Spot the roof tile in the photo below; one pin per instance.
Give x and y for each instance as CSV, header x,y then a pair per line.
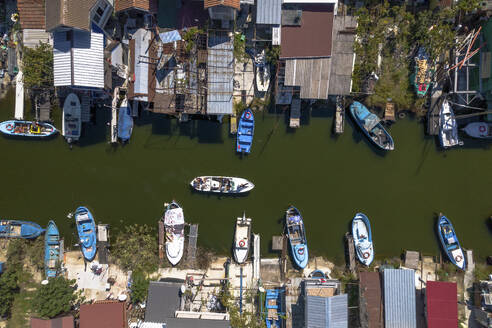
x,y
31,14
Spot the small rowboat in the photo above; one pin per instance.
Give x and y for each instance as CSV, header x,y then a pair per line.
x,y
450,243
242,239
71,119
297,236
371,125
51,250
245,132
19,229
361,232
27,129
480,130
87,232
174,225
223,185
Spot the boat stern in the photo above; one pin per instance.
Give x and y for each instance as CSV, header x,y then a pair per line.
x,y
301,255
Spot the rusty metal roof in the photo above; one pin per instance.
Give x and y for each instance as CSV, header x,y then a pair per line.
x,y
61,322
370,299
227,3
312,39
31,14
105,314
442,304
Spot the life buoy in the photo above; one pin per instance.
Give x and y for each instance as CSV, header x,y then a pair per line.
x,y
242,243
9,127
458,258
366,255
482,128
300,251
247,115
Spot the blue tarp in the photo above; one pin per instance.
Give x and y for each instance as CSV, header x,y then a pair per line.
x,y
171,36
125,123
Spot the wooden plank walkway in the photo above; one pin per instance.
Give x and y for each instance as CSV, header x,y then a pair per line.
x,y
433,114
351,252
192,239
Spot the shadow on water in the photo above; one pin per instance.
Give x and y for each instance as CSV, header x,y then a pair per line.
x,y
488,223
209,131
97,131
161,125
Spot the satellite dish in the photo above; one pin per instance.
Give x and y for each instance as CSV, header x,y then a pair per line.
x,y
183,289
122,297
261,289
44,282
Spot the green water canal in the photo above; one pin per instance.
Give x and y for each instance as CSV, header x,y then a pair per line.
x,y
328,178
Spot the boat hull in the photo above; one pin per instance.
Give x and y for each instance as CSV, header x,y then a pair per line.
x,y
72,118
125,121
262,78
19,229
378,135
297,237
86,229
242,240
479,130
27,129
245,132
361,232
221,185
51,250
422,80
449,242
174,226
448,128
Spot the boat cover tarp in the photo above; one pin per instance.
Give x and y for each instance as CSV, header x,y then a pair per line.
x,y
125,123
371,121
27,230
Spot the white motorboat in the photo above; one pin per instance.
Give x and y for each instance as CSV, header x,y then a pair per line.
x,y
242,239
448,128
71,118
224,185
361,232
174,225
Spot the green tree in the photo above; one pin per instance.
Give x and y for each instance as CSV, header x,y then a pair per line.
x,y
56,297
139,288
8,288
37,66
135,248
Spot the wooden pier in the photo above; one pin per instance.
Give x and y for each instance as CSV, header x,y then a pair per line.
x,y
349,239
162,239
192,239
433,113
339,116
114,116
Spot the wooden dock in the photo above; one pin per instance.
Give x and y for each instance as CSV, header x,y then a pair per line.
x,y
114,116
162,239
233,124
192,239
433,113
256,258
349,239
339,116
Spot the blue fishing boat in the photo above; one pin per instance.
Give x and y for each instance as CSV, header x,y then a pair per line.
x,y
371,125
245,132
297,236
450,243
19,229
27,129
87,232
51,250
273,307
125,121
361,232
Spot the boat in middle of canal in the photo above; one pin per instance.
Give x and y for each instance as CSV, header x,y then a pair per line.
x,y
87,232
371,125
242,239
245,132
361,231
450,243
174,225
223,185
297,236
51,250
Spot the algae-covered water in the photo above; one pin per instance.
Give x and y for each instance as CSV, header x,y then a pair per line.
x,y
328,178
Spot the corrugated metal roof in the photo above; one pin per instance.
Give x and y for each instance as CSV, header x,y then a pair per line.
x,y
331,312
86,49
268,12
442,304
399,298
220,74
142,39
31,37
